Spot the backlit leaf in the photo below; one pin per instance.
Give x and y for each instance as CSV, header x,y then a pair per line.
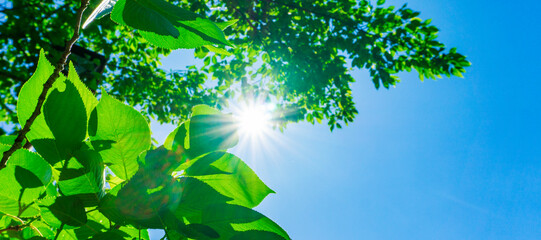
x,y
166,25
120,134
230,176
65,116
229,220
31,90
24,180
67,210
83,177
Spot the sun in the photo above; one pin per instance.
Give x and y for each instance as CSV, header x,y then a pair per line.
x,y
254,119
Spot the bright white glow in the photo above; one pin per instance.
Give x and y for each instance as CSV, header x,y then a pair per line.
x,y
254,119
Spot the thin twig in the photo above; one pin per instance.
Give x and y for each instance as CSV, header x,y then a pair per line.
x,y
48,84
13,228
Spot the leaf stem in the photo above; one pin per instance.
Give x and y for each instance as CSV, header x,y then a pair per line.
x,y
48,84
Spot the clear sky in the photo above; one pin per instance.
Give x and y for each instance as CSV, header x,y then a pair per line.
x,y
447,159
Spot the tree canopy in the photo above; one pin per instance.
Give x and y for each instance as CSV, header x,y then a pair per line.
x,y
95,172
297,53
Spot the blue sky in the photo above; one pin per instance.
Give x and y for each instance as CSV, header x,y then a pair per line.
x,y
447,159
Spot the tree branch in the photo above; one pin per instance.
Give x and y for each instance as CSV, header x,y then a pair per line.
x,y
48,84
13,228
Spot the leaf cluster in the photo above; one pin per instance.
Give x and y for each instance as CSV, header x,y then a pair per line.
x,y
96,174
296,53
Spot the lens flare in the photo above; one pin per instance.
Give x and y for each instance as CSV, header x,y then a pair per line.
x,y
254,119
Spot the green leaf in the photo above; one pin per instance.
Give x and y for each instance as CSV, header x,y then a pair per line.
x,y
259,235
163,161
177,228
178,138
226,24
209,133
196,197
208,130
204,110
48,150
9,140
67,210
217,50
239,181
24,180
31,90
166,25
65,116
83,177
203,231
67,234
112,234
142,16
44,229
4,147
96,223
134,233
28,99
202,165
229,220
146,195
108,207
120,134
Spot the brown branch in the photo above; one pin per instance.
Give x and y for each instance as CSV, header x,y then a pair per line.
x,y
13,228
48,84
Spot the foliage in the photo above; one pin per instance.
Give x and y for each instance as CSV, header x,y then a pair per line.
x,y
96,174
293,52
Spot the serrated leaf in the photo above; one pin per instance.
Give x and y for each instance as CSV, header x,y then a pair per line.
x,y
230,176
217,50
67,210
96,223
166,25
229,220
135,233
48,150
108,207
259,235
65,116
113,180
163,161
226,24
146,195
3,148
24,180
178,138
31,90
44,229
83,177
204,110
67,234
209,133
196,197
203,231
9,140
120,134
112,234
